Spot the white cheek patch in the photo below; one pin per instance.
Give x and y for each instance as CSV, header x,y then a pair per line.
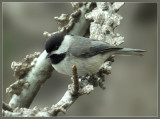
x,y
64,45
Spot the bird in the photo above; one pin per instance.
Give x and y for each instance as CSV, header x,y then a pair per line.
x,y
66,50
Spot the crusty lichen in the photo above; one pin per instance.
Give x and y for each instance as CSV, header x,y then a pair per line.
x,y
17,87
21,68
105,19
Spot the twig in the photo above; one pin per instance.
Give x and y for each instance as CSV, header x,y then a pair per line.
x,y
75,81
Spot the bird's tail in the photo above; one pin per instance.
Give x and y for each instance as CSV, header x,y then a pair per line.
x,y
130,51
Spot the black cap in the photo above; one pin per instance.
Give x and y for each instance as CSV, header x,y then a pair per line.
x,y
54,42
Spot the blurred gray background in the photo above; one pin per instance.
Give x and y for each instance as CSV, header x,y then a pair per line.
x,y
131,88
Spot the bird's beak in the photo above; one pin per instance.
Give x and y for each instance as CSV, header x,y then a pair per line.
x,y
48,55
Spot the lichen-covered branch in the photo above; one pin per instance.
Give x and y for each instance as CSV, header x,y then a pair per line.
x,y
94,20
29,81
66,101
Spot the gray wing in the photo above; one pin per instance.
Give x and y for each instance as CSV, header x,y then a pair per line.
x,y
85,47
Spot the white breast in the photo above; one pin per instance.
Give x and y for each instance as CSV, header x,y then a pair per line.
x,y
84,65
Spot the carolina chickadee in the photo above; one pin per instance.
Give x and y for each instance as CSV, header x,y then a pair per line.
x,y
88,55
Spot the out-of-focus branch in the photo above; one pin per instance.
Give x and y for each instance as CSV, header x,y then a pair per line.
x,y
94,20
76,23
